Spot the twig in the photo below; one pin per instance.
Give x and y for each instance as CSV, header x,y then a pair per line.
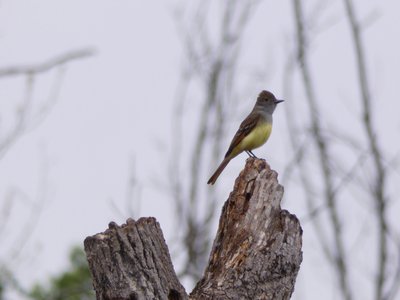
x,y
25,119
47,65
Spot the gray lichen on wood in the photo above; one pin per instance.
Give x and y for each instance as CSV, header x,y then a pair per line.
x,y
256,253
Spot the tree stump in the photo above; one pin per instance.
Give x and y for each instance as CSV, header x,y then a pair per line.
x,y
255,255
132,262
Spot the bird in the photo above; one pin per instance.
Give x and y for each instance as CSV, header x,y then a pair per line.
x,y
253,132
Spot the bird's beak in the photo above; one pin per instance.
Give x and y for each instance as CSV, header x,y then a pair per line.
x,y
278,101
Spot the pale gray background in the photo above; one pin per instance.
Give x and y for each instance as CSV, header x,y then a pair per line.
x,y
117,106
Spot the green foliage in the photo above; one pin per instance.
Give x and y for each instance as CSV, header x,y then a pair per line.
x,y
73,284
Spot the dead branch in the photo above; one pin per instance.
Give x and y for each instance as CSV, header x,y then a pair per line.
x,y
379,182
324,156
25,119
256,253
47,65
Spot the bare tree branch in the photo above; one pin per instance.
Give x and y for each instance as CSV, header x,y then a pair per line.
x,y
379,182
22,116
28,115
298,162
25,118
47,65
325,159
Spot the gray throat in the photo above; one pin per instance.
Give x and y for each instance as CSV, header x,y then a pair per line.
x,y
265,111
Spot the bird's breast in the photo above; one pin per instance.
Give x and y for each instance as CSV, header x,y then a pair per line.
x,y
257,137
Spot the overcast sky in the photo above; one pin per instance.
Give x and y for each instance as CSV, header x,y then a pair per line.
x,y
116,107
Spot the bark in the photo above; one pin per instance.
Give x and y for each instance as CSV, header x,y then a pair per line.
x,y
132,262
256,253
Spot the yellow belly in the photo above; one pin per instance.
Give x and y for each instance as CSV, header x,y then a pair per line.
x,y
256,138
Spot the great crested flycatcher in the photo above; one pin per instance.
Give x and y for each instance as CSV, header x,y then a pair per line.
x,y
253,132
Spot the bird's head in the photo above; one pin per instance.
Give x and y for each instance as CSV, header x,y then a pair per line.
x,y
268,101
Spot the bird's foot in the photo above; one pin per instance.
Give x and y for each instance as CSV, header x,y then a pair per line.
x,y
251,154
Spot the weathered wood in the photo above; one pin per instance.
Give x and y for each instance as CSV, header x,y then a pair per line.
x,y
132,262
256,253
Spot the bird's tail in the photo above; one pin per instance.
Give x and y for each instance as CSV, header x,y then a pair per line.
x,y
221,167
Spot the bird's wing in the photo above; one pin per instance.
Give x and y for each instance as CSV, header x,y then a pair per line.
x,y
245,128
